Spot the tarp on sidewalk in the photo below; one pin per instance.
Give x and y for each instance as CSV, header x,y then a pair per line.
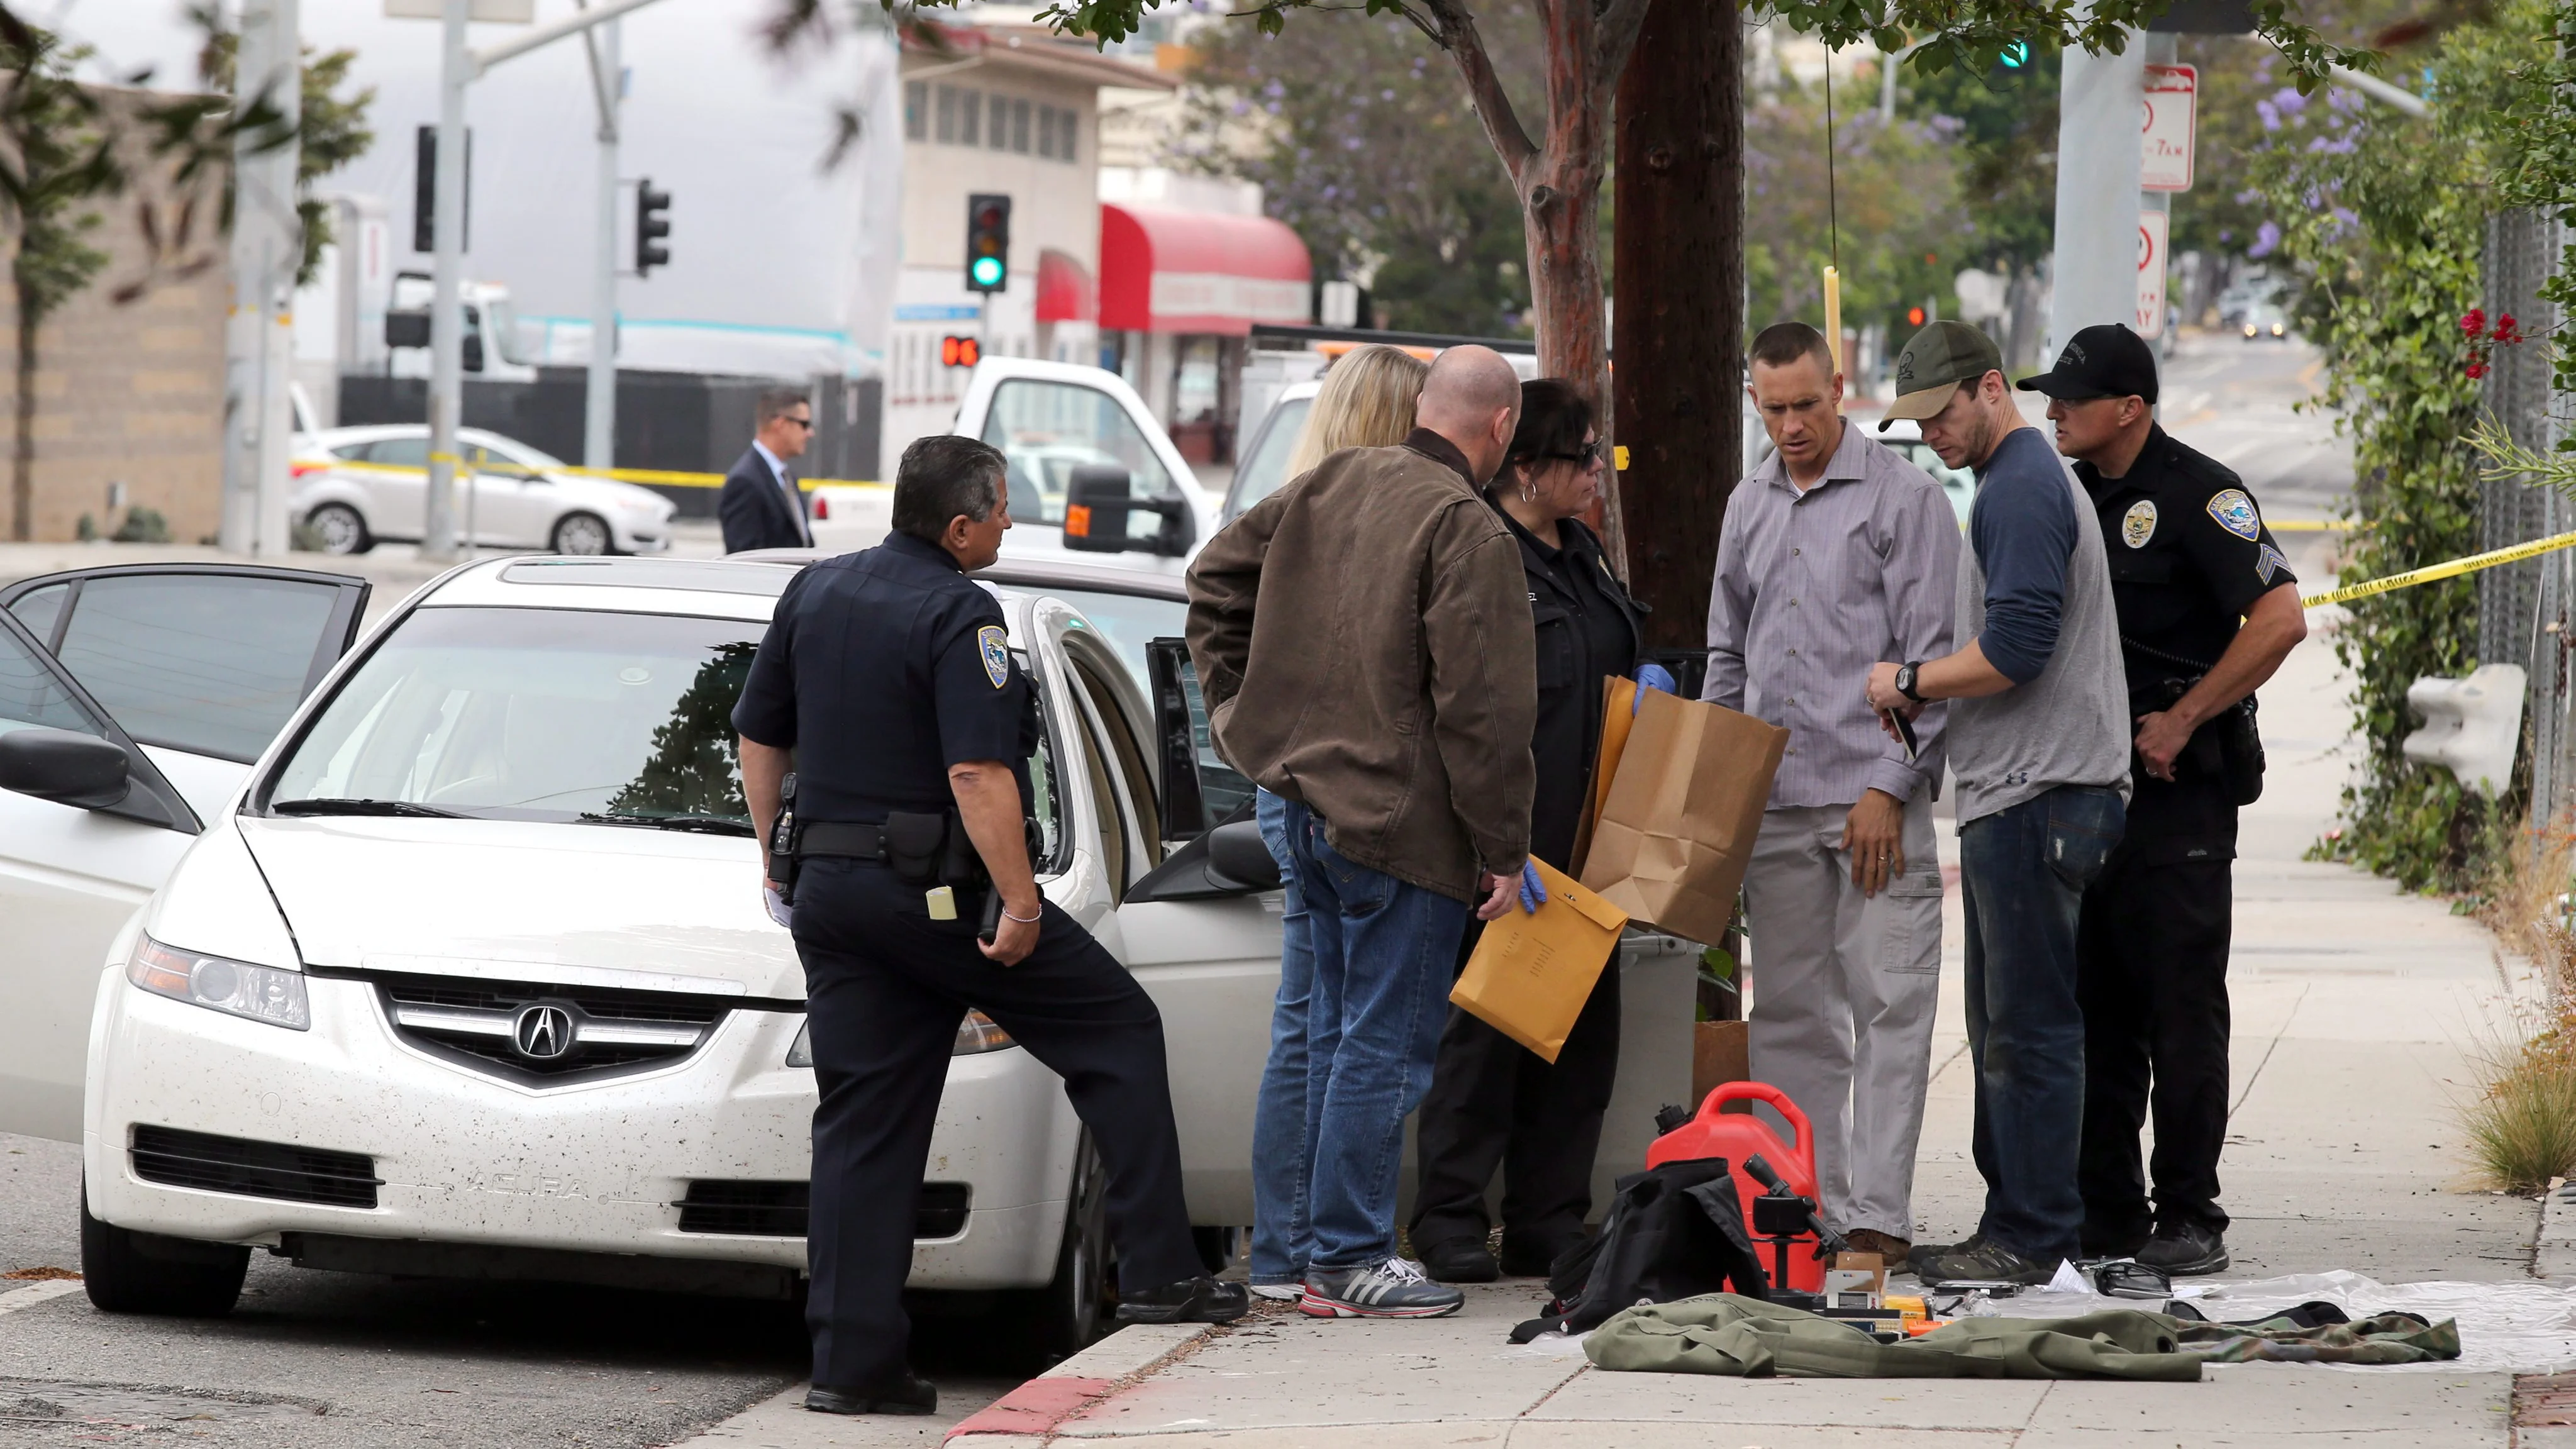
x,y
1721,1333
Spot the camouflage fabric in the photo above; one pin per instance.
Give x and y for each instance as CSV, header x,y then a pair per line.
x,y
1721,1333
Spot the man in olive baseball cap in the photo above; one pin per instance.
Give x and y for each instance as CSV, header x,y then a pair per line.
x,y
1933,365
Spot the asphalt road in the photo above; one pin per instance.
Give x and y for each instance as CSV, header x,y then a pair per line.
x,y
317,1358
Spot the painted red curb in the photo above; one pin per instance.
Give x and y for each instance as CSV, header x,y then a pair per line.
x,y
1035,1407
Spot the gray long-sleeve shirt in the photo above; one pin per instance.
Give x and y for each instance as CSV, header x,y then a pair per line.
x,y
1812,589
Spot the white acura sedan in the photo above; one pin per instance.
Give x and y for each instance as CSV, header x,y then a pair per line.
x,y
359,486
466,972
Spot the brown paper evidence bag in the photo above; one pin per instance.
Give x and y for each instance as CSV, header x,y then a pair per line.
x,y
1677,799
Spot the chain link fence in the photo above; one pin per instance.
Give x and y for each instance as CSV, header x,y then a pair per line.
x,y
2523,608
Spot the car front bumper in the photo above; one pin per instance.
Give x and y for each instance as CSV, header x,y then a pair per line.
x,y
466,1158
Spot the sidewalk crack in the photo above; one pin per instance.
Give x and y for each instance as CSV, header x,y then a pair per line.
x,y
2269,1047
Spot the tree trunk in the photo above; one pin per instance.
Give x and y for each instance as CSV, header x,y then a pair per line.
x,y
22,453
1680,323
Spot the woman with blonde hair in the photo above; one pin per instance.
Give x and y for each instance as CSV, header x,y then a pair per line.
x,y
1367,402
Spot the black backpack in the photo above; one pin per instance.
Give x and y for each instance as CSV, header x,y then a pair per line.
x,y
1674,1231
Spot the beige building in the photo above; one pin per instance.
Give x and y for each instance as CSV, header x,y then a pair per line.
x,y
130,396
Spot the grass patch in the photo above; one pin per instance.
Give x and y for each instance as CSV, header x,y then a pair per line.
x,y
2522,1122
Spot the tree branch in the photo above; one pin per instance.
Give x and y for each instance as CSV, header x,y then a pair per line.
x,y
1458,36
1615,27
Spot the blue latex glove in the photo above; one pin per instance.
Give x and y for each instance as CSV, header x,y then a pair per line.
x,y
1533,890
1650,676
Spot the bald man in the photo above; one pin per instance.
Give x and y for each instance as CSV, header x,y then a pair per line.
x,y
1383,692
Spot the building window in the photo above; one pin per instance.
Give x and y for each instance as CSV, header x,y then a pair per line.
x,y
1046,132
970,117
947,114
916,110
1020,127
1070,148
1000,134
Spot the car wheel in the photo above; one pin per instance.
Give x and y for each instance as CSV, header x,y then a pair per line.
x,y
582,533
131,1272
339,529
1067,1315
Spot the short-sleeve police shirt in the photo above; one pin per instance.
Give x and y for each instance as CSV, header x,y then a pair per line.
x,y
2189,554
881,669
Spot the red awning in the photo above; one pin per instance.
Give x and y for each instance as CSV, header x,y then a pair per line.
x,y
1163,270
1065,293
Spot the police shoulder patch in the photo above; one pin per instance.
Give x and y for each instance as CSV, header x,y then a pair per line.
x,y
2139,523
2234,512
2268,562
995,646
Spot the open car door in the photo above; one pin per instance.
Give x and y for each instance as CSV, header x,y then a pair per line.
x,y
133,700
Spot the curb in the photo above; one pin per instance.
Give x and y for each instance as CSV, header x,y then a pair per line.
x,y
2553,1249
1030,1413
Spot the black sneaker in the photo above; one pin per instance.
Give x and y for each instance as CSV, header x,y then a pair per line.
x,y
904,1393
1191,1300
1464,1261
1394,1288
1923,1253
1979,1261
2185,1250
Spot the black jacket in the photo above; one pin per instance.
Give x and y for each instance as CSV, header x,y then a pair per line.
x,y
1567,738
754,510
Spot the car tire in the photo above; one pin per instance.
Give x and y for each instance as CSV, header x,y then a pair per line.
x,y
1066,1316
340,530
130,1272
584,535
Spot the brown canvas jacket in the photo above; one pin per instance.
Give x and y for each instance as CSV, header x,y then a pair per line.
x,y
1387,678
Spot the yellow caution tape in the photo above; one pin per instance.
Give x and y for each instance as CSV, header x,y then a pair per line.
x,y
2437,572
663,477
2305,525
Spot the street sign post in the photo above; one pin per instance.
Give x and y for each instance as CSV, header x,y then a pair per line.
x,y
2168,130
2152,230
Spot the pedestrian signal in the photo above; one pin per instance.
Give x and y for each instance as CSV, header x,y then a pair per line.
x,y
652,223
988,243
960,352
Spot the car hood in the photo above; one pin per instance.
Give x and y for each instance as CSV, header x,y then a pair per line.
x,y
576,905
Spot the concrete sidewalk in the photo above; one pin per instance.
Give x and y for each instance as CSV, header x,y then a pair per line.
x,y
2357,1009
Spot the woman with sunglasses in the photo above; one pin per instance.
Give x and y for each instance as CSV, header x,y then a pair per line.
x,y
1493,1102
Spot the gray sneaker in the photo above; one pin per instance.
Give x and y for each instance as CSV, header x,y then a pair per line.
x,y
1395,1288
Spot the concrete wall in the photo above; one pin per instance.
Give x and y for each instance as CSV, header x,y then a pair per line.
x,y
130,394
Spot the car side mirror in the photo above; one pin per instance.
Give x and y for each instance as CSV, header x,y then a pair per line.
x,y
68,768
1098,502
1237,852
406,329
1231,860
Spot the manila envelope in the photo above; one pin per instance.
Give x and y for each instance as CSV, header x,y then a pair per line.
x,y
1617,715
1532,971
1677,829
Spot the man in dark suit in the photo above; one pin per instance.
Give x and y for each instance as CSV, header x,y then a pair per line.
x,y
761,506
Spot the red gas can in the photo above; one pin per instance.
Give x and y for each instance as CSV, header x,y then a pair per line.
x,y
1736,1136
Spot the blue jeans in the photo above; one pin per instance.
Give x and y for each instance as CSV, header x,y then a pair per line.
x,y
1281,1239
1383,950
2022,873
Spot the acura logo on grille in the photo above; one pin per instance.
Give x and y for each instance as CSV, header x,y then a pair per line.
x,y
542,1032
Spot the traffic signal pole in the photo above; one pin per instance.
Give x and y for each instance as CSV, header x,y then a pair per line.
x,y
599,413
457,69
267,249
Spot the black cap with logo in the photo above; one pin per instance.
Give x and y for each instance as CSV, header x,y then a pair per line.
x,y
2105,360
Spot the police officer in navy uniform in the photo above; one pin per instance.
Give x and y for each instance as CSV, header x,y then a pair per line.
x,y
2208,609
889,675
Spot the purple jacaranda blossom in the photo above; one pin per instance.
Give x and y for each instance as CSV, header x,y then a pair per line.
x,y
2290,102
2267,238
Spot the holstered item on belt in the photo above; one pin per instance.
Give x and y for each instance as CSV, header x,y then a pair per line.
x,y
782,841
917,846
2227,748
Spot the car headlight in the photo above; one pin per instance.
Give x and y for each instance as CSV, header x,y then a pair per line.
x,y
976,1034
259,992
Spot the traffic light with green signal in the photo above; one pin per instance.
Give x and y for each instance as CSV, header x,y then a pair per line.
x,y
988,243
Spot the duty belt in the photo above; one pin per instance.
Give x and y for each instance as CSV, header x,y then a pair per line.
x,y
843,839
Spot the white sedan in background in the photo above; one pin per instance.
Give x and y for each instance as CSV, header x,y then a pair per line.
x,y
359,486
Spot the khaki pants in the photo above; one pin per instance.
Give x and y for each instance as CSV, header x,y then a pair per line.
x,y
1843,989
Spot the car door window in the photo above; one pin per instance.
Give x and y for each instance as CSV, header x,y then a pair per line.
x,y
1047,429
1129,760
31,698
208,663
1266,470
399,452
41,610
1113,821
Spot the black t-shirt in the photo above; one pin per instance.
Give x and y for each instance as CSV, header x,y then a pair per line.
x,y
2188,554
881,669
1587,629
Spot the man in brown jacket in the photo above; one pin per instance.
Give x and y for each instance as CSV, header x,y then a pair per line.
x,y
1363,638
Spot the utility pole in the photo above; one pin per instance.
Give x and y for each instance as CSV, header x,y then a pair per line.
x,y
267,251
599,414
446,306
1678,329
2101,101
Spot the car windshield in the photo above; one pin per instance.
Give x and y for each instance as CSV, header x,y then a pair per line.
x,y
537,714
1262,474
1131,621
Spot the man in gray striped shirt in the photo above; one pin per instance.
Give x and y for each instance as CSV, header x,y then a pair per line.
x,y
1838,554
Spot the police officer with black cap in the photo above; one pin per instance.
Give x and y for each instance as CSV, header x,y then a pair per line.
x,y
2208,609
889,676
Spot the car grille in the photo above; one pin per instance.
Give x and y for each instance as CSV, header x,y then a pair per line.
x,y
254,1169
546,1035
777,1209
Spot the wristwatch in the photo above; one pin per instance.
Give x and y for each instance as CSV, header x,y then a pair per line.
x,y
1905,679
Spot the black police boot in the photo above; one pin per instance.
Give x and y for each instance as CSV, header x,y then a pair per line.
x,y
2185,1250
1463,1261
901,1393
1191,1300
